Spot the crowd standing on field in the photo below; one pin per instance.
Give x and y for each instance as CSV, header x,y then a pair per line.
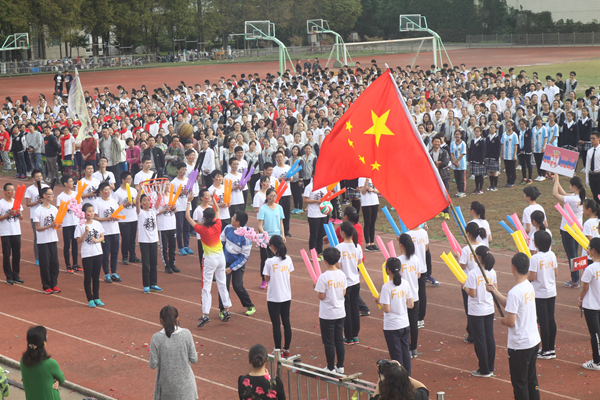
x,y
483,121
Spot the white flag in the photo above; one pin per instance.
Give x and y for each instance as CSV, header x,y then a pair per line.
x,y
77,107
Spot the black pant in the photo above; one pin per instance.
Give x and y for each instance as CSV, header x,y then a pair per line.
x,y
370,217
422,297
115,170
362,306
237,277
200,253
110,248
48,264
545,314
317,233
134,169
352,321
447,185
284,202
233,208
265,254
167,247
252,183
397,343
413,315
208,180
595,186
333,340
523,373
296,194
149,261
485,345
459,177
511,171
466,306
128,233
539,157
281,311
11,245
356,204
245,197
428,263
592,317
183,230
70,245
525,163
91,276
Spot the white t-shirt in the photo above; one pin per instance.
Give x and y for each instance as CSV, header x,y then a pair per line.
x,y
527,216
278,271
89,248
142,176
590,228
259,200
278,172
420,240
45,217
181,201
396,297
92,186
198,216
485,225
350,257
544,265
332,283
532,239
314,209
409,271
242,165
575,202
68,144
101,178
147,230
369,198
483,303
130,213
70,218
11,226
271,184
220,194
521,301
237,196
166,221
104,209
468,258
591,275
33,194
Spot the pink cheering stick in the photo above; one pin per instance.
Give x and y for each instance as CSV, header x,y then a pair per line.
x,y
564,214
517,223
309,267
315,257
392,248
382,247
572,215
451,239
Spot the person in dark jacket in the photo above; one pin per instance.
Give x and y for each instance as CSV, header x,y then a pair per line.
x,y
477,159
157,156
441,159
492,156
569,137
525,150
51,150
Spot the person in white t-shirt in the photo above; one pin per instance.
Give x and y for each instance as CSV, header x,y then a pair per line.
x,y
369,202
312,197
277,272
104,208
481,312
145,174
420,239
70,247
127,226
331,289
279,172
523,337
411,267
543,269
89,194
589,302
91,235
183,228
351,256
47,241
591,210
477,212
538,223
10,233
218,189
396,298
166,223
531,193
260,196
237,196
148,242
33,200
102,175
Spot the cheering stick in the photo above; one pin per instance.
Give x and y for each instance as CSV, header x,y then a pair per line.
x,y
382,247
39,185
281,190
386,278
227,191
331,186
60,215
462,229
18,198
215,202
309,267
451,239
572,215
582,243
580,234
330,235
246,178
505,226
315,257
456,265
519,226
276,185
564,214
367,278
292,171
331,196
128,192
80,190
332,230
392,248
456,272
391,221
170,202
175,196
116,215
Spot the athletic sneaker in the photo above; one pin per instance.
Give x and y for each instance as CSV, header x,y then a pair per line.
x,y
420,324
339,370
413,354
92,304
571,284
369,248
480,375
107,278
126,261
77,268
154,288
472,177
542,179
285,353
203,321
263,285
348,342
18,280
226,316
355,340
188,250
591,365
70,271
431,280
9,281
547,355
221,314
461,194
146,290
48,291
364,313
99,303
494,189
182,252
134,259
250,311
375,248
55,289
175,269
116,278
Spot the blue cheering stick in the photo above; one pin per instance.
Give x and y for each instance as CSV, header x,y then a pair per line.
x,y
402,226
509,218
391,221
459,213
505,226
330,232
333,235
295,168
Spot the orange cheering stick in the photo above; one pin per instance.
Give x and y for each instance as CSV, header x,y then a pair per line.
x,y
227,191
60,215
215,202
276,184
173,197
281,190
171,194
331,196
19,198
117,211
80,190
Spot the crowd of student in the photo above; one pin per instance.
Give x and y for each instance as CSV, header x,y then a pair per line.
x,y
268,124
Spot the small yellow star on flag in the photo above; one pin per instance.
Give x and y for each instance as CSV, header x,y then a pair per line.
x,y
379,128
376,166
349,126
362,159
351,143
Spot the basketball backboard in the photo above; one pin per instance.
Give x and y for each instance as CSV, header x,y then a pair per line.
x,y
412,22
316,26
259,30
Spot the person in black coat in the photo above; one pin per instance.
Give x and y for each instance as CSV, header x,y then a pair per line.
x,y
441,159
493,147
477,153
569,137
525,150
58,83
157,155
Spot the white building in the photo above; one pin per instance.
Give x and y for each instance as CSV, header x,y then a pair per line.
x,y
577,10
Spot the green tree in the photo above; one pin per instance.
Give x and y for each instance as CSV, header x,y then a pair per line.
x,y
341,14
96,19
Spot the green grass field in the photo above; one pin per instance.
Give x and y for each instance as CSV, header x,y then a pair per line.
x,y
587,72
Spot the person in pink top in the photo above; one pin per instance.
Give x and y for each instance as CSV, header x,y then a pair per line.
x,y
132,155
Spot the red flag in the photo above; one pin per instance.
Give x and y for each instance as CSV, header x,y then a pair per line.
x,y
376,138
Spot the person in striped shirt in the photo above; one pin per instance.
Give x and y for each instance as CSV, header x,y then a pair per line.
x,y
509,142
539,134
458,156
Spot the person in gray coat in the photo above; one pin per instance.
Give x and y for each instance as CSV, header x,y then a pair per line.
x,y
441,159
171,351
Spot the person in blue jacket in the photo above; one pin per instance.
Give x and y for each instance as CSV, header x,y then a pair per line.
x,y
237,251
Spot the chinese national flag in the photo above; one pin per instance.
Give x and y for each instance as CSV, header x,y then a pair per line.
x,y
376,138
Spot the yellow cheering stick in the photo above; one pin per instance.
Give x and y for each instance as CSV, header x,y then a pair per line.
x,y
580,234
367,278
460,270
386,278
520,242
128,192
582,243
452,268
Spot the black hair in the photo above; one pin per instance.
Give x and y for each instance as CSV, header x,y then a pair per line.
x,y
241,217
263,179
189,151
595,244
487,258
146,158
521,263
331,255
209,217
216,172
6,185
267,165
44,191
474,230
180,165
351,213
269,191
85,207
280,249
396,384
35,171
202,191
394,265
409,247
36,350
232,160
542,240
65,178
590,203
101,187
539,217
532,192
124,175
258,355
576,181
349,231
479,209
168,317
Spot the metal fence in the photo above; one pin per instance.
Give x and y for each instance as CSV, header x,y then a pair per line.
x,y
534,39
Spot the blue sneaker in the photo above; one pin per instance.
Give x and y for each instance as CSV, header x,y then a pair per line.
x,y
155,288
92,303
99,303
182,252
37,262
188,250
116,278
146,290
107,278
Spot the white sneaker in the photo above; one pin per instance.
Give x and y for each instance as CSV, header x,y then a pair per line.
x,y
480,375
542,178
461,194
537,179
472,177
582,170
339,370
546,355
518,167
420,324
591,365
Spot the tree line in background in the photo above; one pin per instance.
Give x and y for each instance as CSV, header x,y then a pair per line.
x,y
153,24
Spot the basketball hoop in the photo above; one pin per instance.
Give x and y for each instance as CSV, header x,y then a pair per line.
x,y
313,37
155,190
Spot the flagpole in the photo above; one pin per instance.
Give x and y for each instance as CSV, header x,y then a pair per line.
x,y
464,233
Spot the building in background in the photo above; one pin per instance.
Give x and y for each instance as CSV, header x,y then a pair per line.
x,y
578,10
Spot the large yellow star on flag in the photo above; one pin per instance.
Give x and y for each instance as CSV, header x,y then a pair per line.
x,y
379,128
